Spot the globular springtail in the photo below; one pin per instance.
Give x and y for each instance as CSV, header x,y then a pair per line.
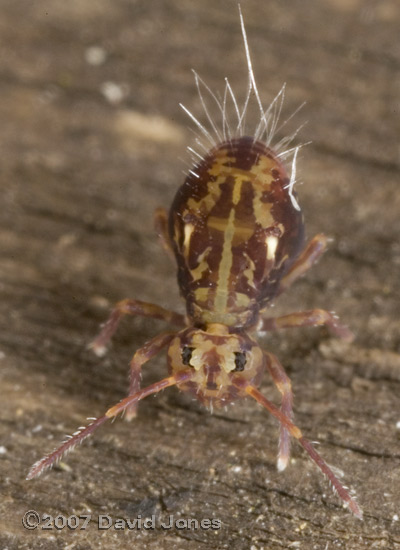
x,y
236,230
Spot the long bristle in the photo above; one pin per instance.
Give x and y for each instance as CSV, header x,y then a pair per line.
x,y
230,120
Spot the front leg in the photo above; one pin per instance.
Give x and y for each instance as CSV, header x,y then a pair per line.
x,y
311,318
132,307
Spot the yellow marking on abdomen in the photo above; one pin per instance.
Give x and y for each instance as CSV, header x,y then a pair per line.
x,y
201,294
225,266
272,244
243,232
188,230
221,295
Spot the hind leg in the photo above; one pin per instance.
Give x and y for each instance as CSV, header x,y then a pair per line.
x,y
311,318
308,257
314,317
132,307
161,226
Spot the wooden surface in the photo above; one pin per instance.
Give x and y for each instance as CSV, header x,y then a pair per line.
x,y
90,145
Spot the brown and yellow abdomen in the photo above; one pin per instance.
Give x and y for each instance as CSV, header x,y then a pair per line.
x,y
235,232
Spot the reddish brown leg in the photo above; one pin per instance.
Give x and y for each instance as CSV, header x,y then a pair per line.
x,y
84,432
161,226
312,252
142,355
296,433
132,307
282,382
311,318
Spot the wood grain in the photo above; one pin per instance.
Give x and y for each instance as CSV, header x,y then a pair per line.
x,y
88,151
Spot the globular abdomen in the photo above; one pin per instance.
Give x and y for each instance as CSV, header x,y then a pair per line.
x,y
235,231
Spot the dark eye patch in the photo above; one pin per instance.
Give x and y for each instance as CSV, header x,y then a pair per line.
x,y
187,355
240,361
